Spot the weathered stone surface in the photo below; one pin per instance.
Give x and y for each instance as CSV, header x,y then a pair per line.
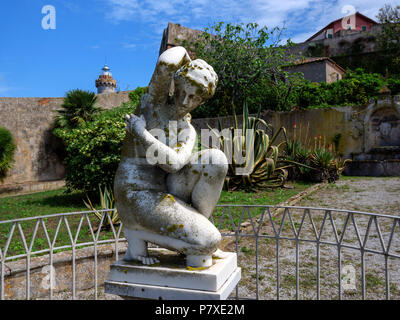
x,y
172,272
165,193
141,291
7,190
174,34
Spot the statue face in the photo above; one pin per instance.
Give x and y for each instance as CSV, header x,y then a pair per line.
x,y
186,97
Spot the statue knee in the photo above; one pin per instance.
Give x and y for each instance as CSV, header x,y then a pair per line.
x,y
218,163
210,242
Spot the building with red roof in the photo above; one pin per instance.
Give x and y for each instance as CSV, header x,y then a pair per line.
x,y
354,23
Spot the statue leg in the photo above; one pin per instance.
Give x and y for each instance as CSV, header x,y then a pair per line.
x,y
200,183
137,248
161,218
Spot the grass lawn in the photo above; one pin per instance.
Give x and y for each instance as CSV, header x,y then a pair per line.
x,y
273,196
51,202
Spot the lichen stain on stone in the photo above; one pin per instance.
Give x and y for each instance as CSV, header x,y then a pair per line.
x,y
196,269
169,197
172,228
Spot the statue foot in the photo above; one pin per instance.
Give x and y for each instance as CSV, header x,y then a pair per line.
x,y
137,249
147,260
219,254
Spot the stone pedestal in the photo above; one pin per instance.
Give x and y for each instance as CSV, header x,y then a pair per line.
x,y
172,280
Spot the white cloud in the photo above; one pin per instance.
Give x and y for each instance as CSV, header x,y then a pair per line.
x,y
129,45
299,16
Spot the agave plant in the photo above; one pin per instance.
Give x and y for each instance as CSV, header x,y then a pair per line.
x,y
259,155
317,164
107,202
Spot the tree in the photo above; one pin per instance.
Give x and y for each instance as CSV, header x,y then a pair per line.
x,y
389,37
248,60
79,106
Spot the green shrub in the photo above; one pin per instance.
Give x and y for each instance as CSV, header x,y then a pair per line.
x,y
394,86
135,95
310,94
93,149
356,87
7,148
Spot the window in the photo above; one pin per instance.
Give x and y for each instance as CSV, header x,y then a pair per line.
x,y
330,35
364,28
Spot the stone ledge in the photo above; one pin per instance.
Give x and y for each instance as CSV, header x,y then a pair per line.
x,y
172,272
141,291
17,189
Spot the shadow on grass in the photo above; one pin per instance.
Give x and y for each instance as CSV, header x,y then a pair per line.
x,y
74,200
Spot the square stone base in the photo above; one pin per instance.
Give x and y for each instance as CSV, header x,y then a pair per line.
x,y
172,280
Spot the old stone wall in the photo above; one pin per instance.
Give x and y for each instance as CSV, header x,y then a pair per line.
x,y
358,130
38,154
174,34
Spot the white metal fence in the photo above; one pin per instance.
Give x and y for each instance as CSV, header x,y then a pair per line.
x,y
284,252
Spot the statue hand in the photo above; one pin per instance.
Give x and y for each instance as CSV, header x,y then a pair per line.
x,y
134,124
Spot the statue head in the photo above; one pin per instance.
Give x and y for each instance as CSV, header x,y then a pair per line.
x,y
195,83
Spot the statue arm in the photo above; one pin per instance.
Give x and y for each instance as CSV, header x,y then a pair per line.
x,y
168,63
176,157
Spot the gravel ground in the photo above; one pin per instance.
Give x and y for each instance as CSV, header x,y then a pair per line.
x,y
375,195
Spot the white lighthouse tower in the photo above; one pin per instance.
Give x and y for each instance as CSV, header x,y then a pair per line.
x,y
105,83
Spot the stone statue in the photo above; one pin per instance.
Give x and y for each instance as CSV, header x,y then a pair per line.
x,y
169,203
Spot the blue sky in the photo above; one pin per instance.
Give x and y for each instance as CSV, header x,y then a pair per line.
x,y
46,63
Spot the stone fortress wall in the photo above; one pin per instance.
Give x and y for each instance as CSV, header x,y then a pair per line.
x,y
37,157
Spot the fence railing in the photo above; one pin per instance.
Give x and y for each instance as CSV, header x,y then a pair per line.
x,y
284,252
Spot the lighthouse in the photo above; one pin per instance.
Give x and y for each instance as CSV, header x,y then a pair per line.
x,y
105,83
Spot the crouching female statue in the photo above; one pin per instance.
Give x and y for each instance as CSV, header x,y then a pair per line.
x,y
169,202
